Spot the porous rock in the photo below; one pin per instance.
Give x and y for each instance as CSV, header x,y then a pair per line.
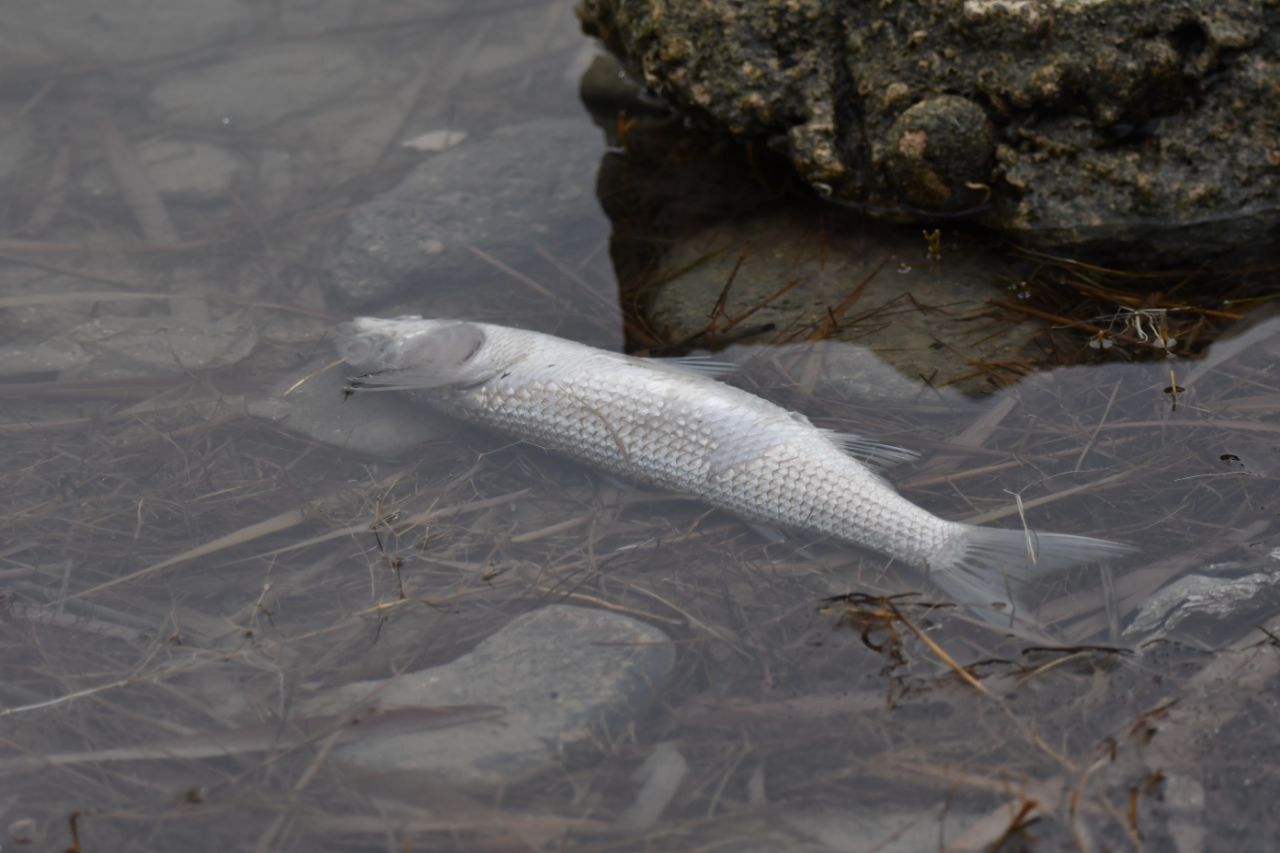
x,y
1060,122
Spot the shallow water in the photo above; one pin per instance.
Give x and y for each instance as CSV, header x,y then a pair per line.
x,y
186,585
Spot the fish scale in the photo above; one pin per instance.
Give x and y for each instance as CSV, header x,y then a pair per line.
x,y
649,421
755,461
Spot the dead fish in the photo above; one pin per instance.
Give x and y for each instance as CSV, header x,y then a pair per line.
x,y
674,426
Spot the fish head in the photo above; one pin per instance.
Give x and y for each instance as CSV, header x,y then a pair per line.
x,y
409,353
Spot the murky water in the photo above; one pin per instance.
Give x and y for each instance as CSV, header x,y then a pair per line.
x,y
241,613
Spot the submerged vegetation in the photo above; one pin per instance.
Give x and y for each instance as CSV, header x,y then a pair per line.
x,y
177,578
1137,313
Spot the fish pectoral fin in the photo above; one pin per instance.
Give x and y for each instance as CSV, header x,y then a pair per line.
x,y
698,364
870,452
391,380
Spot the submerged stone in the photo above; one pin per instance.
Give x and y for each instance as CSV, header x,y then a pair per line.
x,y
161,346
262,86
184,169
877,288
39,36
556,672
52,356
379,425
501,196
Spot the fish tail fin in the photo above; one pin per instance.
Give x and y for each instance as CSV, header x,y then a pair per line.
x,y
991,567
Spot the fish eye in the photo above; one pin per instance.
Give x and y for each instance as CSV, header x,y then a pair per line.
x,y
356,350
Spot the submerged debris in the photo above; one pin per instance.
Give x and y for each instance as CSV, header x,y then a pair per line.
x,y
1207,609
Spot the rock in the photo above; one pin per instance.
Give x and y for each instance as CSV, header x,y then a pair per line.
x,y
350,136
264,85
1062,123
834,370
160,346
606,89
41,35
51,356
274,177
525,185
377,424
46,316
921,316
315,17
336,106
16,144
940,153
187,170
557,671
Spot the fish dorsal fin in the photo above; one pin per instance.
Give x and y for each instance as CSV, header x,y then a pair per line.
x,y
868,451
865,450
437,358
698,364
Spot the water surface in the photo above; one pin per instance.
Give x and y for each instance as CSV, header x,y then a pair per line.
x,y
181,579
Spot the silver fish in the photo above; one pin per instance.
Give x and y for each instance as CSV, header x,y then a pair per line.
x,y
681,429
